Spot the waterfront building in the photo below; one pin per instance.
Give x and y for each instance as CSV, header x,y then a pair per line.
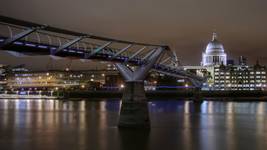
x,y
113,82
203,71
49,80
213,55
242,60
3,79
239,77
224,74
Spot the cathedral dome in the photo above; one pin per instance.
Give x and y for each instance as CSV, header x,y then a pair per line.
x,y
214,46
214,53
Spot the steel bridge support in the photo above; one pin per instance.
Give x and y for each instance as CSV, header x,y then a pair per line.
x,y
19,36
121,51
97,50
67,45
134,110
136,53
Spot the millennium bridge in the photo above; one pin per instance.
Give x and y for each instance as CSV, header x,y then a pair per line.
x,y
41,39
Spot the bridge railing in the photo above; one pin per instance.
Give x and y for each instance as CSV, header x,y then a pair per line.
x,y
57,40
87,44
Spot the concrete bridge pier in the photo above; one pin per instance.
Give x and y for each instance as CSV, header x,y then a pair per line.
x,y
134,110
198,98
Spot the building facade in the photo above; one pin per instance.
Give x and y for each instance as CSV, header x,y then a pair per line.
x,y
239,77
226,75
49,80
3,80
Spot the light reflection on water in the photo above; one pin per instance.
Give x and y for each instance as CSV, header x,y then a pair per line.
x,y
55,124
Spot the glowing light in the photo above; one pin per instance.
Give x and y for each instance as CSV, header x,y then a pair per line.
x,y
122,86
186,85
67,69
47,73
102,74
92,80
83,86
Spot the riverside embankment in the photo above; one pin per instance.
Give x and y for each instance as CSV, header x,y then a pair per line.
x,y
185,94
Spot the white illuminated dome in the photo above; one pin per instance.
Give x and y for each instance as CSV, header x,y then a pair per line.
x,y
214,53
214,46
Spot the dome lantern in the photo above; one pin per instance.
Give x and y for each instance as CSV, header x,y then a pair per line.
x,y
214,36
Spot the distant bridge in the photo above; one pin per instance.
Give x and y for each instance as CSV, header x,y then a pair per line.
x,y
39,39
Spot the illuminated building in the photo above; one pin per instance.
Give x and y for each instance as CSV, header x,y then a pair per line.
x,y
2,76
223,74
240,77
46,80
203,71
214,53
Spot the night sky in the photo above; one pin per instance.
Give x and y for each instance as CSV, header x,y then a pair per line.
x,y
185,25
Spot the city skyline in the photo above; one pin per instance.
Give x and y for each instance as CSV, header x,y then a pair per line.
x,y
58,63
133,74
183,26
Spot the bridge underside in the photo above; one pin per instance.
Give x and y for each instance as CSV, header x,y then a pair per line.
x,y
134,111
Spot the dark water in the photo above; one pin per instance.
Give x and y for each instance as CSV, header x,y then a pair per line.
x,y
52,124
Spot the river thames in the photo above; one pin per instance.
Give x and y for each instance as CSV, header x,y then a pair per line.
x,y
184,125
